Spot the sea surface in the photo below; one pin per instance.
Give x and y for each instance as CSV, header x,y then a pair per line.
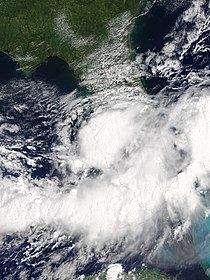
x,y
114,168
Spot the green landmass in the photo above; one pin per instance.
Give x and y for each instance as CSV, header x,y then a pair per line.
x,y
145,274
32,30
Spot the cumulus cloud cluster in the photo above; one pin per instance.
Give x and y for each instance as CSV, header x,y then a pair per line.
x,y
155,173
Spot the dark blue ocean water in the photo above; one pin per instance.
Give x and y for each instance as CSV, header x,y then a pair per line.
x,y
33,105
